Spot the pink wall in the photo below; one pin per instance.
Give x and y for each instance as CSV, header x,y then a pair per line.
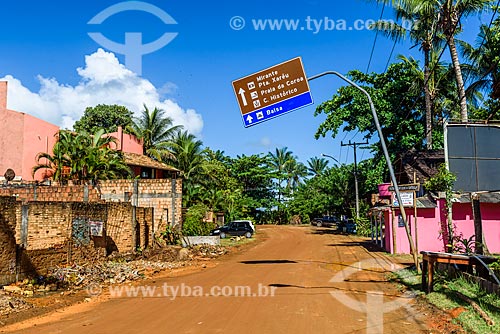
x,y
11,141
431,223
126,142
39,136
428,228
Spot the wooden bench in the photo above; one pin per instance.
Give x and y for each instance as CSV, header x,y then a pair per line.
x,y
430,258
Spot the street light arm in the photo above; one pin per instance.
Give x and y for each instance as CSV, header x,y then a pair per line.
x,y
329,156
386,154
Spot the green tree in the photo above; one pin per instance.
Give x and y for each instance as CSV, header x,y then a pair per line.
x,y
103,116
398,106
83,157
422,32
451,13
187,155
316,166
156,131
484,66
254,177
278,161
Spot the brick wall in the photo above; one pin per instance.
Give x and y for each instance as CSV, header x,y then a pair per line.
x,y
53,193
38,236
164,196
7,240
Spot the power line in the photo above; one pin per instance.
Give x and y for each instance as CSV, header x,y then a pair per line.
x,y
375,41
390,56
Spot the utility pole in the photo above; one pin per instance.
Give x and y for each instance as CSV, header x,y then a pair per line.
x,y
355,145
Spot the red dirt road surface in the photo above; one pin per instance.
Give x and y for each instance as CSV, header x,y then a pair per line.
x,y
294,280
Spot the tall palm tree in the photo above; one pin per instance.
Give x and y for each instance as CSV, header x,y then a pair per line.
x,y
316,166
278,162
187,155
156,131
422,32
295,172
484,66
451,12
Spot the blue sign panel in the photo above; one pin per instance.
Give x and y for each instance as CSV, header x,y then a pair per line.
x,y
272,92
277,109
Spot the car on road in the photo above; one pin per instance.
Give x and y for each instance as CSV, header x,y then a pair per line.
x,y
326,221
235,228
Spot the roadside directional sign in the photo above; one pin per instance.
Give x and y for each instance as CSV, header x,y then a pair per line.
x,y
406,187
272,92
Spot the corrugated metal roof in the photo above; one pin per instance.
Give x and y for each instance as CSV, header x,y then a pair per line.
x,y
140,160
487,197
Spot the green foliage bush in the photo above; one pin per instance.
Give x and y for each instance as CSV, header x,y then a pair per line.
x,y
193,221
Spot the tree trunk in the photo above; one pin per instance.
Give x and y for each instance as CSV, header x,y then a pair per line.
x,y
428,104
460,81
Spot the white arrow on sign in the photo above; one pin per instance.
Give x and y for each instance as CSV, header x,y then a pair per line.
x,y
249,119
242,94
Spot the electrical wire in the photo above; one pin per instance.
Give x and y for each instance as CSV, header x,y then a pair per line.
x,y
375,41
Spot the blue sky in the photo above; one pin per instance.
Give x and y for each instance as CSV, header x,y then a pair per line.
x,y
43,44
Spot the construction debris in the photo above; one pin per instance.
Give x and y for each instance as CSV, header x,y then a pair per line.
x,y
11,304
118,268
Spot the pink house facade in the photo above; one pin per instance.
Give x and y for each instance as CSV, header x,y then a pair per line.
x,y
22,137
430,229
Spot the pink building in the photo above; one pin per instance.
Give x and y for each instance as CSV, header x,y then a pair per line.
x,y
430,230
22,137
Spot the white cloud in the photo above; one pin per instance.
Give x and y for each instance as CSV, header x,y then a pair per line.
x,y
103,81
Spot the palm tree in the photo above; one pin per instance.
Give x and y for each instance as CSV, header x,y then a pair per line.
x,y
80,156
54,164
278,162
485,62
422,33
316,166
187,155
156,131
451,12
295,172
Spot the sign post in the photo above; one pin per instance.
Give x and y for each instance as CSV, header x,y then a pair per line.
x,y
272,92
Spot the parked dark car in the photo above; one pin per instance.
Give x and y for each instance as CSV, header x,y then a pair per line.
x,y
347,226
326,221
235,228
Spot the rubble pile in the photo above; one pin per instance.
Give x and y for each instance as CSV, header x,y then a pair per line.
x,y
207,251
118,268
11,304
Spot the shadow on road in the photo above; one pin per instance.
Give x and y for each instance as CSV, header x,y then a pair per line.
x,y
323,231
368,245
267,261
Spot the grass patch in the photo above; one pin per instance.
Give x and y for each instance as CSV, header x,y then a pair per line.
x,y
446,298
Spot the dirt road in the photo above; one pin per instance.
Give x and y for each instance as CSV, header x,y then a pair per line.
x,y
297,280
